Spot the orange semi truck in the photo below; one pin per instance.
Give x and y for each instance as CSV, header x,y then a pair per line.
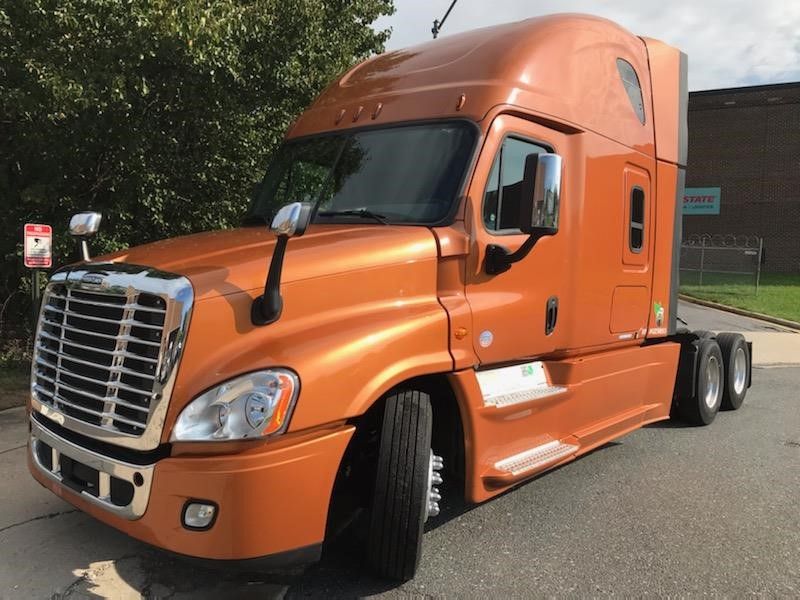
x,y
469,277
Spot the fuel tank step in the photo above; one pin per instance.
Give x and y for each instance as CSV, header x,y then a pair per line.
x,y
521,396
516,384
520,466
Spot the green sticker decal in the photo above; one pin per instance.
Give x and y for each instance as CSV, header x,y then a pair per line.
x,y
527,370
658,309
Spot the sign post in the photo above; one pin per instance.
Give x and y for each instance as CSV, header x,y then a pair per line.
x,y
38,254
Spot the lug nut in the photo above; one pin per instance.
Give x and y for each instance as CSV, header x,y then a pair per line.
x,y
435,495
433,509
436,479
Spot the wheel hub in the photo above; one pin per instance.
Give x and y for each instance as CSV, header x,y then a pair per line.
x,y
739,370
434,478
712,382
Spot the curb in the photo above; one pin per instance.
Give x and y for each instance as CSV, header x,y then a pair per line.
x,y
740,311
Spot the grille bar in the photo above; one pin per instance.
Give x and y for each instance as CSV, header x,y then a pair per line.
x,y
62,340
101,335
102,320
105,304
75,406
118,385
112,368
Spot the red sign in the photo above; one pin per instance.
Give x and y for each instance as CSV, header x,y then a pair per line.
x,y
38,246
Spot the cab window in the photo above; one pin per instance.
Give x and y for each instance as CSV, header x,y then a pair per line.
x,y
501,201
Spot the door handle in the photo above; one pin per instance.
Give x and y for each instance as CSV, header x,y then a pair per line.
x,y
551,315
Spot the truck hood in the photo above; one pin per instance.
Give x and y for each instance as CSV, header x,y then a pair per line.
x,y
226,262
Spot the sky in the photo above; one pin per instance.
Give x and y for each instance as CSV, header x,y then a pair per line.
x,y
730,43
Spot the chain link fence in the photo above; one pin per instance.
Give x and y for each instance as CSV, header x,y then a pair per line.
x,y
713,259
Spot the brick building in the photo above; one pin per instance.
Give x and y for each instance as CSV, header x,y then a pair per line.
x,y
746,142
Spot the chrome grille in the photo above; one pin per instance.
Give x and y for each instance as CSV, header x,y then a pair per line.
x,y
108,341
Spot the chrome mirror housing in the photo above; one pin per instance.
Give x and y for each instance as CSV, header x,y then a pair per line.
x,y
82,226
85,224
291,220
543,171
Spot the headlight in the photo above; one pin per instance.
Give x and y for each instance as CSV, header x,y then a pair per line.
x,y
251,406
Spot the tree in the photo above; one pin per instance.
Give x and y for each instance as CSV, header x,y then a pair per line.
x,y
161,114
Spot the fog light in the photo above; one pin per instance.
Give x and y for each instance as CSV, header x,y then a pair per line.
x,y
198,515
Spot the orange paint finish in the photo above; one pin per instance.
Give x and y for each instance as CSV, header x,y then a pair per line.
x,y
597,407
546,64
378,325
264,496
665,230
665,72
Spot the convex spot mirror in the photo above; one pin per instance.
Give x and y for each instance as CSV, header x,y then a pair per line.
x,y
292,219
84,224
542,190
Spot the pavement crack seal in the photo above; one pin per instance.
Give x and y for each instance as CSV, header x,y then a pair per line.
x,y
12,449
39,518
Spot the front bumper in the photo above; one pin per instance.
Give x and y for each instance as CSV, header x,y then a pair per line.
x,y
271,501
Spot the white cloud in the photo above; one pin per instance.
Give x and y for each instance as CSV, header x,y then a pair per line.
x,y
729,42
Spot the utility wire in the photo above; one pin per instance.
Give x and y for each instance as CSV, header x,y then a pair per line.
x,y
437,24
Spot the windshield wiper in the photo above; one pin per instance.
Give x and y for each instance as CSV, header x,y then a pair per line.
x,y
362,213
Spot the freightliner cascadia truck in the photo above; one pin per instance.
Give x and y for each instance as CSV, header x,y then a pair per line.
x,y
459,271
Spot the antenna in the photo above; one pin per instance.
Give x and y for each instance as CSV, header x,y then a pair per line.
x,y
437,24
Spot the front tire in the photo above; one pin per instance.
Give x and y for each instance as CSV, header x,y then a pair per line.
x,y
401,496
703,406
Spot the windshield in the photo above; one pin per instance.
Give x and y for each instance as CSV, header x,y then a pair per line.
x,y
408,174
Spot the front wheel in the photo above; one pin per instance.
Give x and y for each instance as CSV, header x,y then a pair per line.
x,y
404,495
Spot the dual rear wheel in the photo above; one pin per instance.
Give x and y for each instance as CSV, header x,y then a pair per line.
x,y
721,377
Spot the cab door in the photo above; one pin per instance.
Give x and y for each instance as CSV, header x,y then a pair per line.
x,y
516,314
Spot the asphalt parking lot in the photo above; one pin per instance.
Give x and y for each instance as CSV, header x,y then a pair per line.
x,y
664,511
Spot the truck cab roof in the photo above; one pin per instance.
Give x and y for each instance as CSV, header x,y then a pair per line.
x,y
563,69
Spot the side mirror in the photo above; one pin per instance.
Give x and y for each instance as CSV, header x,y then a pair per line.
x,y
292,219
542,188
82,226
541,198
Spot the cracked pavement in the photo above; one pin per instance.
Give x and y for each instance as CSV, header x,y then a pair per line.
x,y
664,511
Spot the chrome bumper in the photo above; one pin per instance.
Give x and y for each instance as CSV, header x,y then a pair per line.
x,y
98,492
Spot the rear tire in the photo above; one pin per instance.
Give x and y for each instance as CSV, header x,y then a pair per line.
x,y
400,500
704,405
736,358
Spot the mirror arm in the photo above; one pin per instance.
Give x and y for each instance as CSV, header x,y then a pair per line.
x,y
499,259
267,308
83,249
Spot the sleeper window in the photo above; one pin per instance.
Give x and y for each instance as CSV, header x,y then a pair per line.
x,y
501,201
631,82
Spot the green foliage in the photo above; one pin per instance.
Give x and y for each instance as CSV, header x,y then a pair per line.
x,y
161,114
778,293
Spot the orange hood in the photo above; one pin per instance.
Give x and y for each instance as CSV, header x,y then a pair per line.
x,y
236,260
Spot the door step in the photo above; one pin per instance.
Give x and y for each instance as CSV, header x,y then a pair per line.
x,y
506,386
519,466
521,396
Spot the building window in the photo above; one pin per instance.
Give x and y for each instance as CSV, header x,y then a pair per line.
x,y
501,201
631,82
636,239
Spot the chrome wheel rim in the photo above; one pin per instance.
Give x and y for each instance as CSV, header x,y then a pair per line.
x,y
712,382
739,370
432,495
